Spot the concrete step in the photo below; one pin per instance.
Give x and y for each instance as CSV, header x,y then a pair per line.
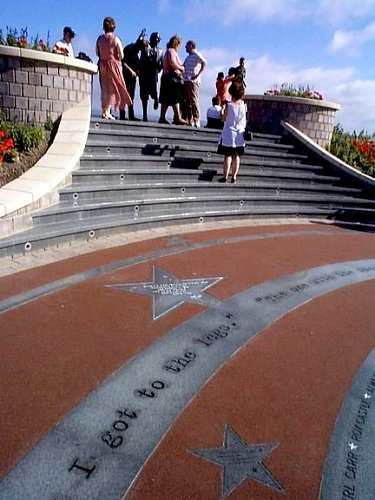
x,y
81,194
180,146
55,234
99,139
133,175
190,161
154,204
138,129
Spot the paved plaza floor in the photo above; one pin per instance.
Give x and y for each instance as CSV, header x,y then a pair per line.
x,y
236,362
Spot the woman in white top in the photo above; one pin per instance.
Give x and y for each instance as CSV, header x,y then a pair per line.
x,y
232,142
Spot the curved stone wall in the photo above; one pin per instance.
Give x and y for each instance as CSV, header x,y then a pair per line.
x,y
312,117
37,85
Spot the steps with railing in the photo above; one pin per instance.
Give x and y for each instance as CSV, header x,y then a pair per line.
x,y
138,175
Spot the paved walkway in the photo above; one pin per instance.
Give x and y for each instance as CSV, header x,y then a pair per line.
x,y
235,362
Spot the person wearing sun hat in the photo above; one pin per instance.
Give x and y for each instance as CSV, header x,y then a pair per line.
x,y
64,46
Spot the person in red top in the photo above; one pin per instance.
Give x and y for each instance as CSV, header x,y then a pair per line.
x,y
223,84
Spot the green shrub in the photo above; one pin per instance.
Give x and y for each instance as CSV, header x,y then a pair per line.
x,y
49,124
25,137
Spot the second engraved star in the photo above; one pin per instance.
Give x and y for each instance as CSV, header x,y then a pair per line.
x,y
240,461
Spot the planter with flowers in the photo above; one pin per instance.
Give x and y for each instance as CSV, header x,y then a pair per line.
x,y
21,40
300,106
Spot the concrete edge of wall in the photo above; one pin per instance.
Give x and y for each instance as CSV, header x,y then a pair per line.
x,y
50,57
293,99
37,188
323,153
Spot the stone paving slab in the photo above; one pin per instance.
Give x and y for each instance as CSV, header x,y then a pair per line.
x,y
229,363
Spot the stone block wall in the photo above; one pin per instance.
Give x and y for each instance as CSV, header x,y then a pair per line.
x,y
312,117
37,85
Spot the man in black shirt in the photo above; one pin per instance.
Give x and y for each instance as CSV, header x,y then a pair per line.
x,y
130,70
241,69
150,65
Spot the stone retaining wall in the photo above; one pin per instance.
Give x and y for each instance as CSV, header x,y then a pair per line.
x,y
37,85
312,117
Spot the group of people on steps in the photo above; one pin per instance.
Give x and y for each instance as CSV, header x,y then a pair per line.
x,y
120,66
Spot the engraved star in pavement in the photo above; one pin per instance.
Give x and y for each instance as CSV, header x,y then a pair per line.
x,y
352,446
240,461
169,292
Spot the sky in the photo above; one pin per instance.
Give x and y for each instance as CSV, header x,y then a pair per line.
x,y
328,45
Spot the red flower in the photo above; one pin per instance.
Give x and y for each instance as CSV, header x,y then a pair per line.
x,y
366,148
6,143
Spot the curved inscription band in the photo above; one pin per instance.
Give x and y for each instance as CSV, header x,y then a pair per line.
x,y
349,470
98,450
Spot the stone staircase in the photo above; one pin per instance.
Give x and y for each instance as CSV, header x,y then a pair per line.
x,y
140,175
